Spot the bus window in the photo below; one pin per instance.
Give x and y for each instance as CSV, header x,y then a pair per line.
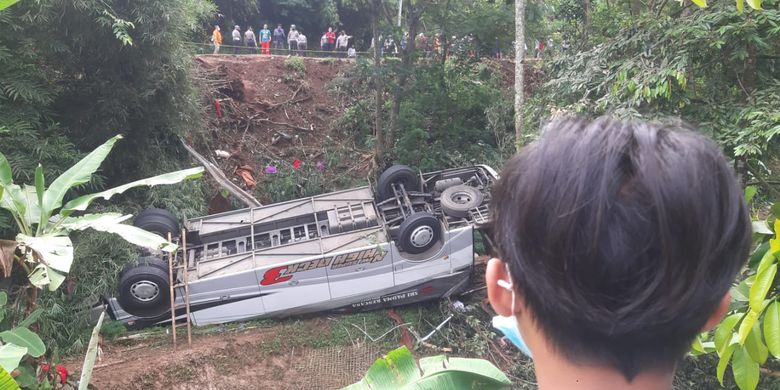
x,y
212,251
312,230
198,254
286,236
299,232
229,247
262,241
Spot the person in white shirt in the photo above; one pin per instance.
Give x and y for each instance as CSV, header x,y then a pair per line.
x,y
292,39
302,44
342,42
250,40
236,40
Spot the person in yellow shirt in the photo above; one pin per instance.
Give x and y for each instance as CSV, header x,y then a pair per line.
x,y
216,38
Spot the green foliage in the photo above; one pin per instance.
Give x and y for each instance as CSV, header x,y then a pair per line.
x,y
714,68
112,330
116,67
290,183
398,370
63,323
452,115
16,341
751,332
7,3
310,16
44,246
296,65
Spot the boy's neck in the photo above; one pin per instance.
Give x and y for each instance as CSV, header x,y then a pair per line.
x,y
553,373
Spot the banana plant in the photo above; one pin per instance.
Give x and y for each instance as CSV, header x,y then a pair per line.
x,y
43,246
18,341
5,4
398,370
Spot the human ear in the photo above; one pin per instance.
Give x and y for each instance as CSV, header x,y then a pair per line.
x,y
720,311
500,297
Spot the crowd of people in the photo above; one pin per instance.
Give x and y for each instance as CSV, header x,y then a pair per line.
x,y
333,44
292,42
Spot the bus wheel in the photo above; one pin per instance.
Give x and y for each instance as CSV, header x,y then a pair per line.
x,y
419,232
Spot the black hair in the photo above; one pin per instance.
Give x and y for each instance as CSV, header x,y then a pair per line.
x,y
622,238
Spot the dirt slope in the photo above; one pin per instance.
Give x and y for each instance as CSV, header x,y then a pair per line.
x,y
272,110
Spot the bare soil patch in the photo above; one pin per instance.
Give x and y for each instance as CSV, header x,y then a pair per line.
x,y
260,358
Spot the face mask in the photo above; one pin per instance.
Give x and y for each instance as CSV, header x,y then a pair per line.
x,y
508,325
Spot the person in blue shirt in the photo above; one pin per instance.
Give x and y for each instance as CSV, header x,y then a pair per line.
x,y
265,40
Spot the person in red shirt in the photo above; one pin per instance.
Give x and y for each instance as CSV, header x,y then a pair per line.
x,y
330,40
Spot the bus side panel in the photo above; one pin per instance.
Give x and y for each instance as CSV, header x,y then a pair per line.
x,y
228,298
291,286
362,272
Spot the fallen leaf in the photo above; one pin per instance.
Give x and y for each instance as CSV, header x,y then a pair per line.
x,y
245,172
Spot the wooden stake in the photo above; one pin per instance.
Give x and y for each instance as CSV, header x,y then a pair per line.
x,y
186,262
173,298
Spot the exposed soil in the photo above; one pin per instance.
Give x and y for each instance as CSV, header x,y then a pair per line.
x,y
270,111
259,358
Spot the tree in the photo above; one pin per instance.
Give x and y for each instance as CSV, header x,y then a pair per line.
x,y
519,71
380,148
113,67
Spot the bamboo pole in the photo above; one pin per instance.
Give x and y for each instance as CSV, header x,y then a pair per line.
x,y
186,263
173,298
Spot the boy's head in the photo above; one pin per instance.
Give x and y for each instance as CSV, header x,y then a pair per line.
x,y
622,239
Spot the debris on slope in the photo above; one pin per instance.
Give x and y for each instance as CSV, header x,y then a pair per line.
x,y
269,111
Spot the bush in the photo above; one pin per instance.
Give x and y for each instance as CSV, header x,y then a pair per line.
x,y
296,65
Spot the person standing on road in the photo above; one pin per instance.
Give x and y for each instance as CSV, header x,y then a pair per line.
x,y
302,44
331,39
265,39
279,37
292,39
216,39
250,40
236,40
342,42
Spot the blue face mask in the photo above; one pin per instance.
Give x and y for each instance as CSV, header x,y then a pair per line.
x,y
508,325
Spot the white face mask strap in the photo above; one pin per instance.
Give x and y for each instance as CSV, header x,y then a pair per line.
x,y
509,285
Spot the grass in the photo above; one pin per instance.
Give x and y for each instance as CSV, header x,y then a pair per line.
x,y
297,65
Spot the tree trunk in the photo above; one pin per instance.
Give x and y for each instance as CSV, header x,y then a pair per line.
x,y
407,64
379,144
519,60
586,11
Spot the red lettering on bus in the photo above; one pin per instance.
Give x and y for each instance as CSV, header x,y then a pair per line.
x,y
274,275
